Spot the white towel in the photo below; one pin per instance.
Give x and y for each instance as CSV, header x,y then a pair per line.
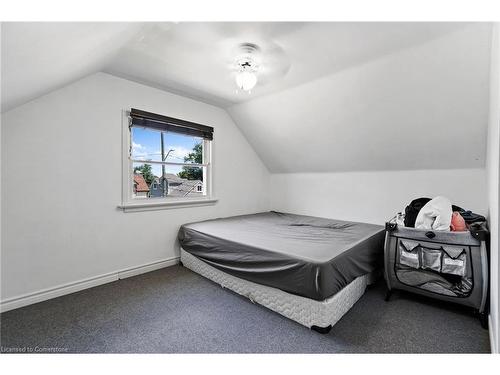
x,y
436,214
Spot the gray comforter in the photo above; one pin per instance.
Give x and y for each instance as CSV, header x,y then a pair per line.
x,y
308,256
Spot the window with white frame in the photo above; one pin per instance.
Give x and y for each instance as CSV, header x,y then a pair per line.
x,y
167,159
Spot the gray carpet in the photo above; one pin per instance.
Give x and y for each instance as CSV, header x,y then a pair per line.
x,y
174,310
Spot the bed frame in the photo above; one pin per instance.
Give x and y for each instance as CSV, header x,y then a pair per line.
x,y
317,315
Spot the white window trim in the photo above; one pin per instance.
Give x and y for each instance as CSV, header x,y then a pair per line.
x,y
130,204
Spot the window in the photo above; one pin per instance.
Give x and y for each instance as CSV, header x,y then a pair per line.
x,y
166,160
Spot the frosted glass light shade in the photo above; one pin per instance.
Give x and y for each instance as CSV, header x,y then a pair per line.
x,y
246,80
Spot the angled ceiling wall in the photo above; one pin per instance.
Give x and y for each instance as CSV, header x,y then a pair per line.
x,y
194,59
424,107
356,96
39,57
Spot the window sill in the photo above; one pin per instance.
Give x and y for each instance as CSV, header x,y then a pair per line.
x,y
153,206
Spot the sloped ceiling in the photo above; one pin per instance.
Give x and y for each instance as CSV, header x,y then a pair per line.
x,y
38,57
330,96
193,59
424,107
197,59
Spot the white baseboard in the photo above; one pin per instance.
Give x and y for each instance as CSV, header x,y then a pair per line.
x,y
494,349
61,290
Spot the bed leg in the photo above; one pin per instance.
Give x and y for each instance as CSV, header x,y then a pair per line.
x,y
388,295
322,330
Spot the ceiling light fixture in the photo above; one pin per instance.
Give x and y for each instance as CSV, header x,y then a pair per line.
x,y
246,67
246,79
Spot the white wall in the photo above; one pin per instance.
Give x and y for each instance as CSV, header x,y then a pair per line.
x,y
375,196
424,107
61,184
492,166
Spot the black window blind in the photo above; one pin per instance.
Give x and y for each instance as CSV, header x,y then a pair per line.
x,y
165,123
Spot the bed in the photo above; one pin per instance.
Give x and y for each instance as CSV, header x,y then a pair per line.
x,y
309,269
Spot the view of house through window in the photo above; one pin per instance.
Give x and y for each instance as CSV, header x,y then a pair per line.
x,y
167,164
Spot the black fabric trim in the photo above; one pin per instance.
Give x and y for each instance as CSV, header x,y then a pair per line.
x,y
436,242
165,123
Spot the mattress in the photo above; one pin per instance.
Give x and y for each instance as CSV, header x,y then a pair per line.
x,y
302,255
319,315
